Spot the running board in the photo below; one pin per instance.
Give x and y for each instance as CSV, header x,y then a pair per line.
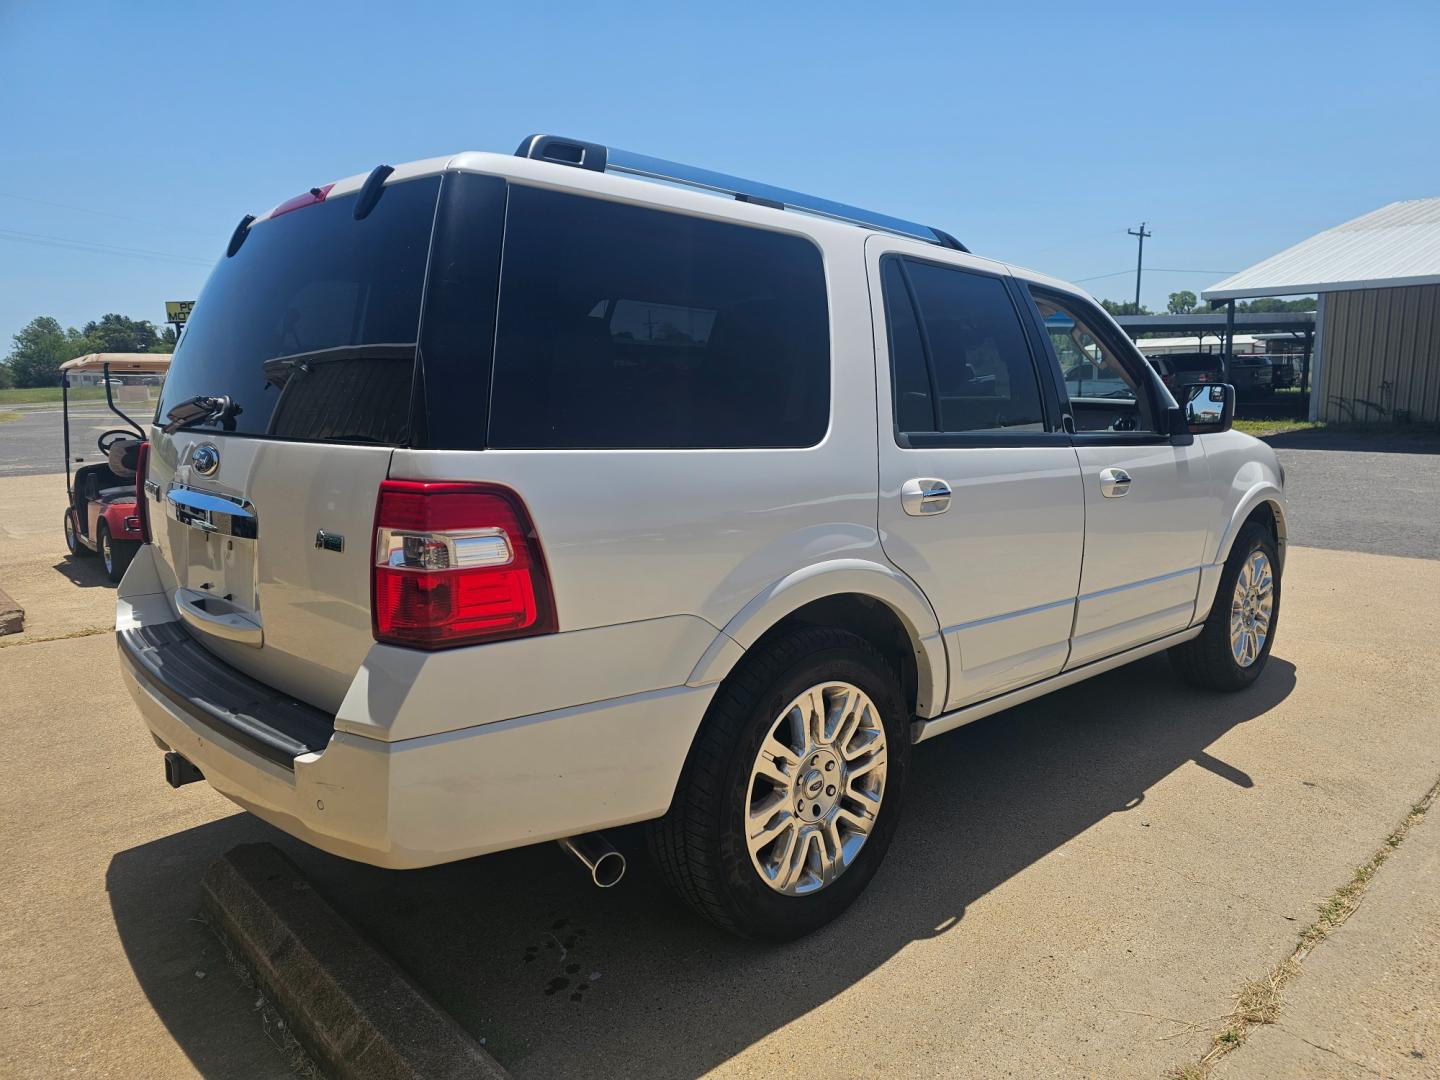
x,y
920,730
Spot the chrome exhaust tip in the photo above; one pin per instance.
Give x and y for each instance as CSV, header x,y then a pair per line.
x,y
605,865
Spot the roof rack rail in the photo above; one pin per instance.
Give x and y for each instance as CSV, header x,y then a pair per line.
x,y
597,158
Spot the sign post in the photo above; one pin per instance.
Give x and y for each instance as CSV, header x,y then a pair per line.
x,y
176,314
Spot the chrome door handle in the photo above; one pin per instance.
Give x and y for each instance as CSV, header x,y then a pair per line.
x,y
925,496
1114,483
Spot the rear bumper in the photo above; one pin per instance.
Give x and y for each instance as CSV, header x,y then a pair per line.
x,y
420,801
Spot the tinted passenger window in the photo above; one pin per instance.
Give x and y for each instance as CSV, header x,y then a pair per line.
x,y
979,361
624,327
1103,391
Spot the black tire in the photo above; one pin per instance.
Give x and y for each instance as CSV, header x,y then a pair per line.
x,y
699,846
115,555
1207,660
73,543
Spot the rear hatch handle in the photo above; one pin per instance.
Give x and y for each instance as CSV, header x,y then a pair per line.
x,y
216,617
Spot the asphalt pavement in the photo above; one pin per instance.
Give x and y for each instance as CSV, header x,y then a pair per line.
x,y
1363,492
34,444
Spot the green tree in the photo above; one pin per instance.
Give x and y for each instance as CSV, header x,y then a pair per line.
x,y
119,333
1182,302
1125,307
7,380
40,348
1272,303
166,342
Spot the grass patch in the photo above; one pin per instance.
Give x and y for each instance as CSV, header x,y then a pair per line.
x,y
1259,1002
1261,428
6,417
44,395
21,639
295,1055
38,394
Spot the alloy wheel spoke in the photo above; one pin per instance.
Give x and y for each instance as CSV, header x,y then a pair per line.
x,y
770,828
814,708
857,770
792,863
859,823
777,762
827,850
849,720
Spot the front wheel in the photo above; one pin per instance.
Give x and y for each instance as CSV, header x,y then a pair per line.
x,y
73,543
1232,650
790,796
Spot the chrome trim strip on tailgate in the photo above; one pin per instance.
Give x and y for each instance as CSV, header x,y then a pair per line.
x,y
212,513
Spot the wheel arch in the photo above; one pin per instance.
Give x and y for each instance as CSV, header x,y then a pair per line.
x,y
874,601
1263,502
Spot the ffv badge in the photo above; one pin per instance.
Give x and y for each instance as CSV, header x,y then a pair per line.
x,y
328,541
205,459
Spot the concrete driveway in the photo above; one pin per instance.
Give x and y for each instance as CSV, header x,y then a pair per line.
x,y
1079,886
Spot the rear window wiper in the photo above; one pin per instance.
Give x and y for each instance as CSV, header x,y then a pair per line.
x,y
199,410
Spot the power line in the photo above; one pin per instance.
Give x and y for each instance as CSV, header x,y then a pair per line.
x,y
97,248
1153,270
87,210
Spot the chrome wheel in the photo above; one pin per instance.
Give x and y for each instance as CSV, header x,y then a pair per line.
x,y
107,556
815,788
1251,609
71,540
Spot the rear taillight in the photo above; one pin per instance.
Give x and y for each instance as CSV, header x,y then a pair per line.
x,y
142,502
456,564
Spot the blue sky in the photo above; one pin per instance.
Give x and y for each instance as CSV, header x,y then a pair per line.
x,y
138,134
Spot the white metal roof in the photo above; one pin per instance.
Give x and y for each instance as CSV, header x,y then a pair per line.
x,y
121,363
1396,245
1194,341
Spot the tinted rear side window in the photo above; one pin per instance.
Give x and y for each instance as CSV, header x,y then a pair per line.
x,y
979,359
310,327
910,375
625,327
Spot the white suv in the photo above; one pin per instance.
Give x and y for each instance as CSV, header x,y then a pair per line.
x,y
496,499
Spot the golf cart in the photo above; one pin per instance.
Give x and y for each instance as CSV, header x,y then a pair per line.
x,y
102,516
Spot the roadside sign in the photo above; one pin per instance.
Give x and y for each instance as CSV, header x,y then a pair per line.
x,y
177,311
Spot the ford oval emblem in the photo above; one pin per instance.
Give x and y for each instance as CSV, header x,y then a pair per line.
x,y
205,459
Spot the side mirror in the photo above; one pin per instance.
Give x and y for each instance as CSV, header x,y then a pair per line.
x,y
1209,407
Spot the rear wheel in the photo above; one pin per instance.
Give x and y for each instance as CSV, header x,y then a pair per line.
x,y
1232,650
791,794
115,554
73,544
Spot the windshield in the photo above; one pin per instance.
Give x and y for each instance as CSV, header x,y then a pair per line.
x,y
310,327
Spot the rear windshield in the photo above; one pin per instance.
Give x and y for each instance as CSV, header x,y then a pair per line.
x,y
310,327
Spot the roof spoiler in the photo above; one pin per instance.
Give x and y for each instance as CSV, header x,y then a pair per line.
x,y
592,156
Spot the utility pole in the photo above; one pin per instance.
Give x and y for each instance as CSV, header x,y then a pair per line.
x,y
1139,261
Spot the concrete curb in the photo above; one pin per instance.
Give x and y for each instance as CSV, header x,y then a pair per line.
x,y
352,1009
12,615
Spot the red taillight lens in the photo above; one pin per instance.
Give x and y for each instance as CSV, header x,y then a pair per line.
x,y
142,501
456,564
